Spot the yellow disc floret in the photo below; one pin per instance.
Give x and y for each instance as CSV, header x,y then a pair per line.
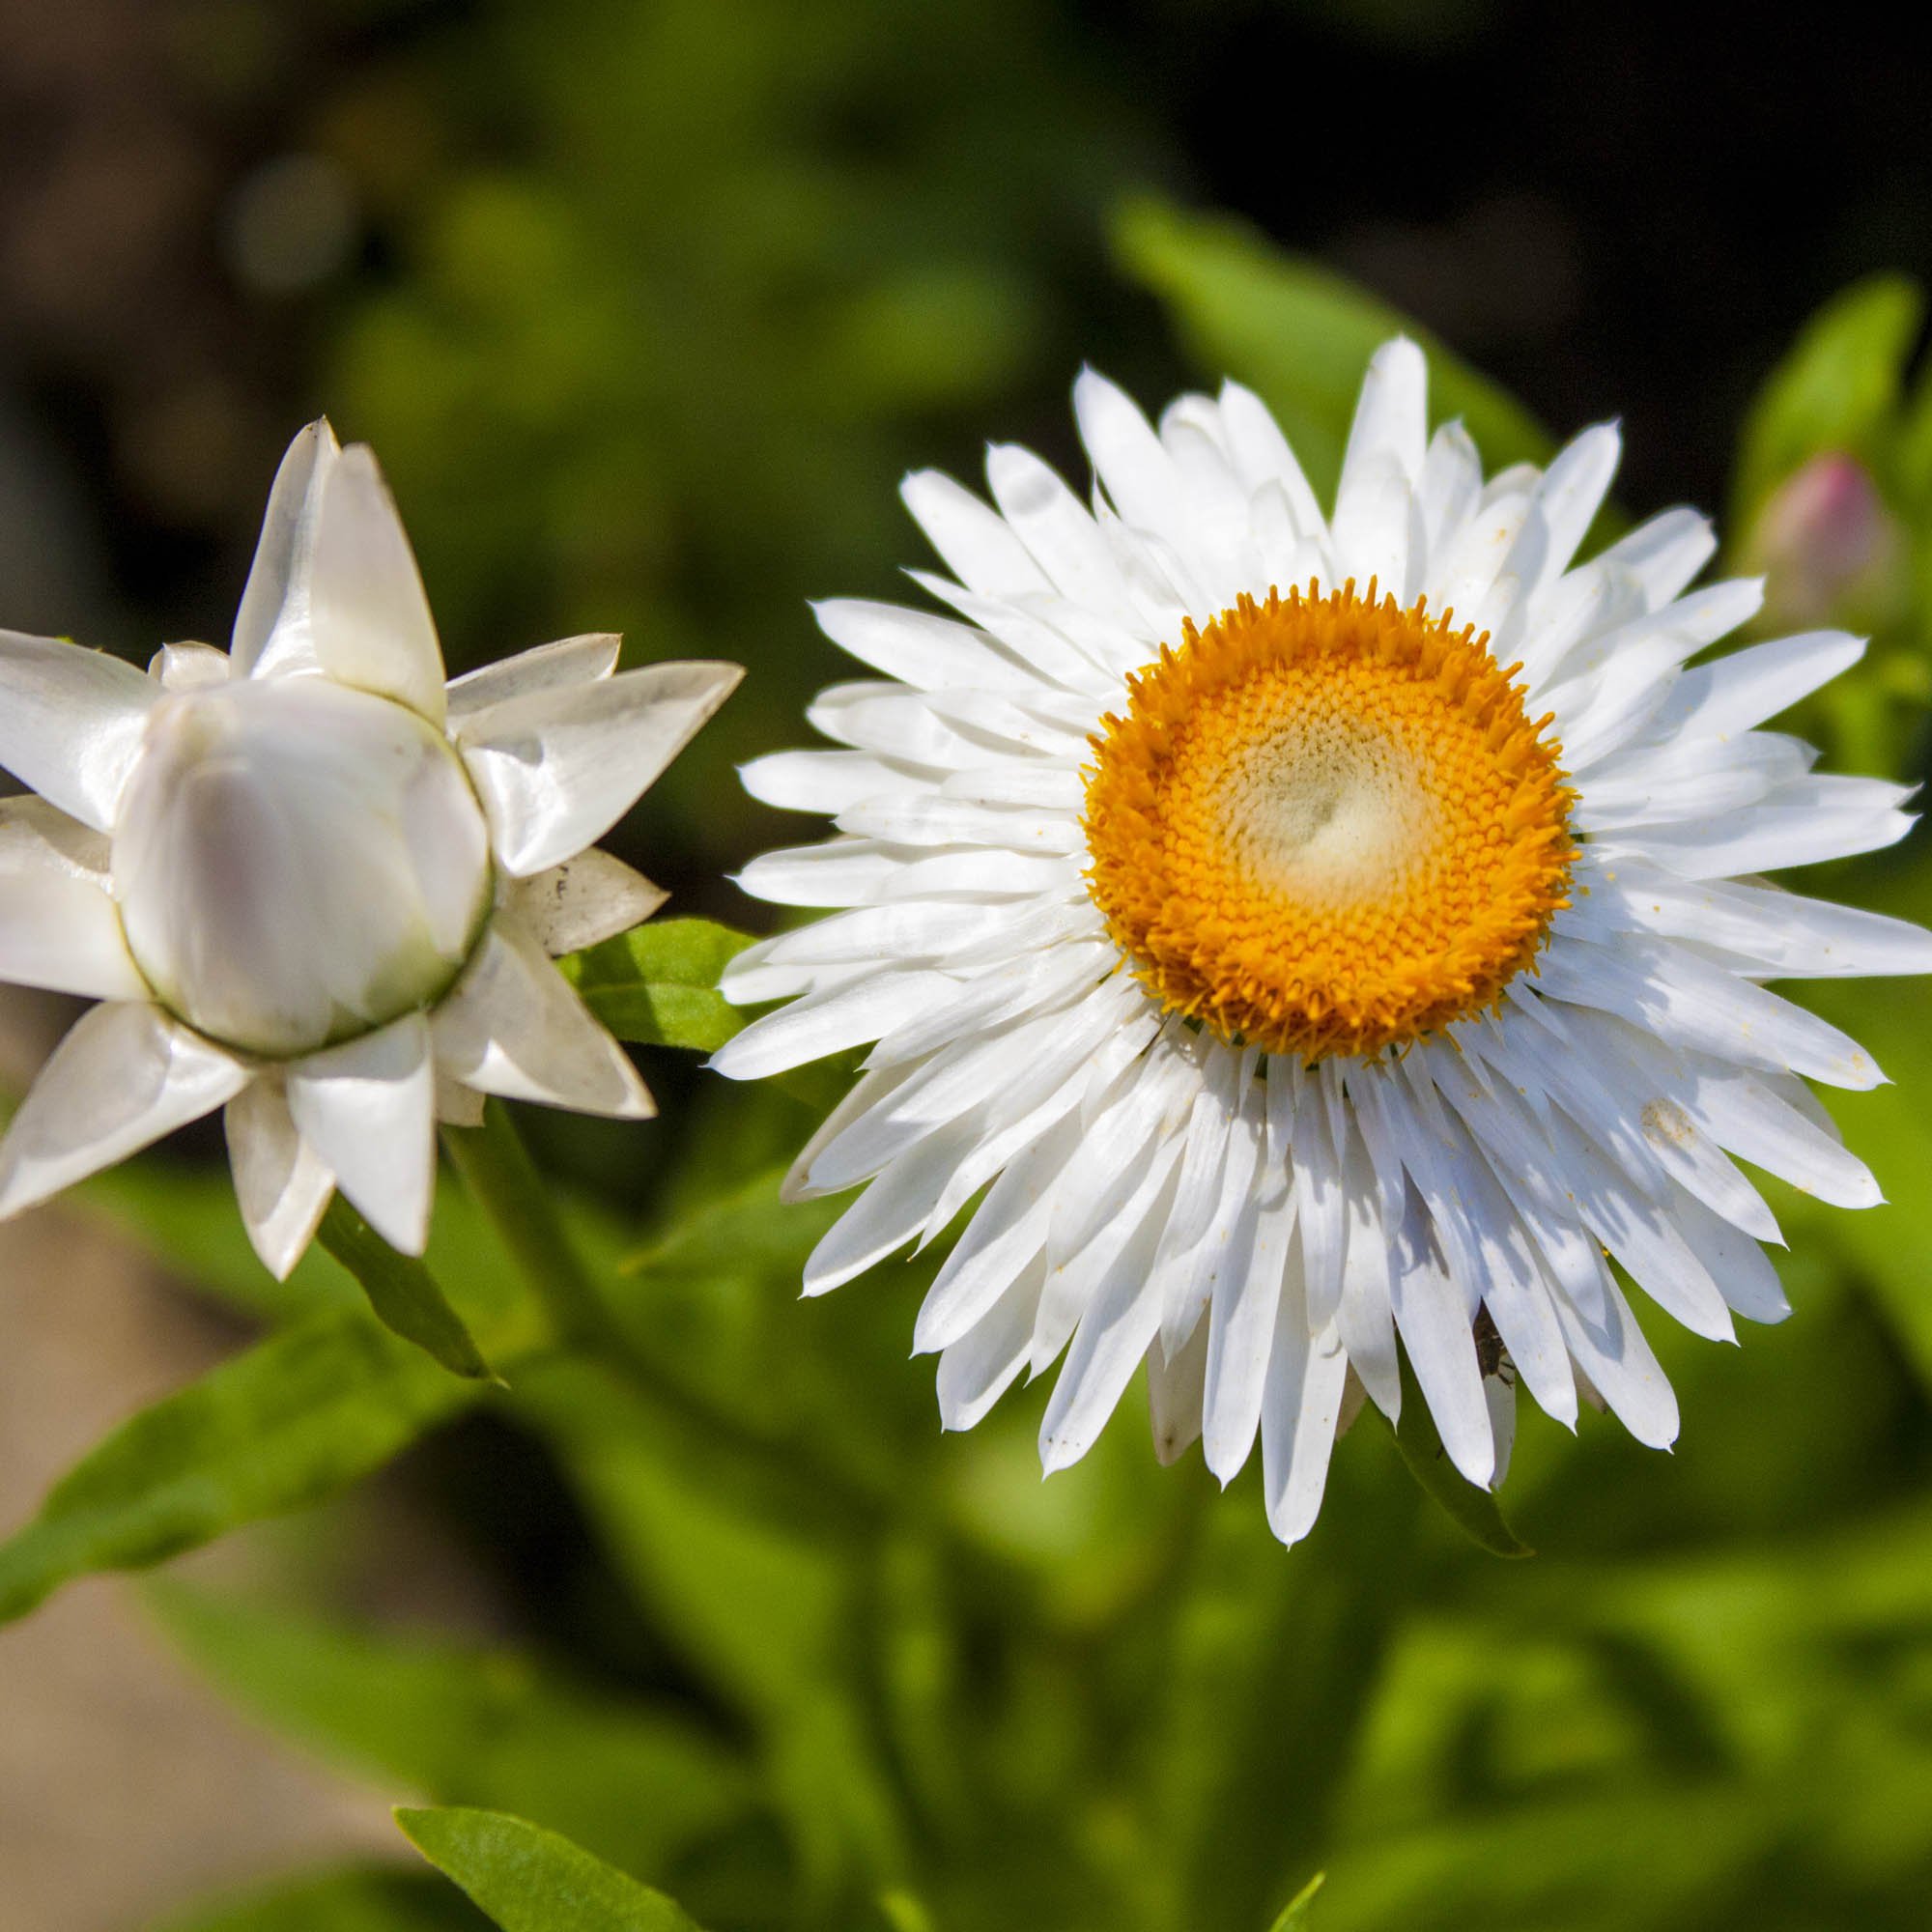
x,y
1325,824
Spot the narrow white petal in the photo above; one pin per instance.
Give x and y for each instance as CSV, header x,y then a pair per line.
x,y
1713,700
1770,837
1500,1396
1391,421
556,768
1372,532
826,782
71,724
271,625
1775,933
1059,533
1572,490
1263,455
123,1077
890,1213
1612,1350
1432,1312
1447,489
982,1364
281,1183
1176,1387
816,1025
1241,1330
368,1108
369,620
1306,1379
590,898
1139,473
972,539
1663,555
1115,1332
63,932
36,837
918,648
1000,1241
513,1025
587,659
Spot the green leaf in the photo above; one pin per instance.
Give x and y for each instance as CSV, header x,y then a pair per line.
x,y
530,1879
903,1911
1837,389
1476,1512
658,983
344,1901
1294,1913
293,1419
1301,335
465,1725
403,1293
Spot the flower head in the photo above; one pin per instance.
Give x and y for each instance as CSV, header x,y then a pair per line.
x,y
1321,937
312,883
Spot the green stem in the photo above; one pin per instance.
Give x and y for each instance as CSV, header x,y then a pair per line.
x,y
498,1170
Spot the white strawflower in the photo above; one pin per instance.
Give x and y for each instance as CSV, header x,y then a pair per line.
x,y
311,884
1313,932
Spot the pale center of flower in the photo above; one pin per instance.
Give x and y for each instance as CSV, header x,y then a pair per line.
x,y
1325,825
297,863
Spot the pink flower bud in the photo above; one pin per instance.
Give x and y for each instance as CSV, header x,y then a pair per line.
x,y
1829,550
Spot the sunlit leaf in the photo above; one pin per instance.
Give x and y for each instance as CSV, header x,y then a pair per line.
x,y
530,1879
1837,389
293,1419
658,983
1300,336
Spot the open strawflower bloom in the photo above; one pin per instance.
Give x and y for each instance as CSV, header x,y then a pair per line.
x,y
1321,938
313,884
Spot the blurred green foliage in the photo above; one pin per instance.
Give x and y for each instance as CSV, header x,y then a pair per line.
x,y
652,354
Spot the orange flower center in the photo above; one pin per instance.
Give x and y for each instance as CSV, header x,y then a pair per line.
x,y
1325,825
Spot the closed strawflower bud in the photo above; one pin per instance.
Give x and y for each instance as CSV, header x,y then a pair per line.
x,y
1828,549
298,863
313,884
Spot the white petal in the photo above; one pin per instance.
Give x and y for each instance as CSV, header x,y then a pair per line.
x,y
1432,1312
513,1025
979,1367
827,781
1749,685
1391,422
63,932
972,539
1115,1332
70,723
587,659
1572,490
1775,932
816,1025
1612,1350
271,624
369,620
588,899
1241,1329
123,1077
556,768
1174,1391
890,1213
1501,1399
189,667
1663,555
1767,838
1307,1376
1063,540
1261,455
835,872
281,1183
1138,474
368,1108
